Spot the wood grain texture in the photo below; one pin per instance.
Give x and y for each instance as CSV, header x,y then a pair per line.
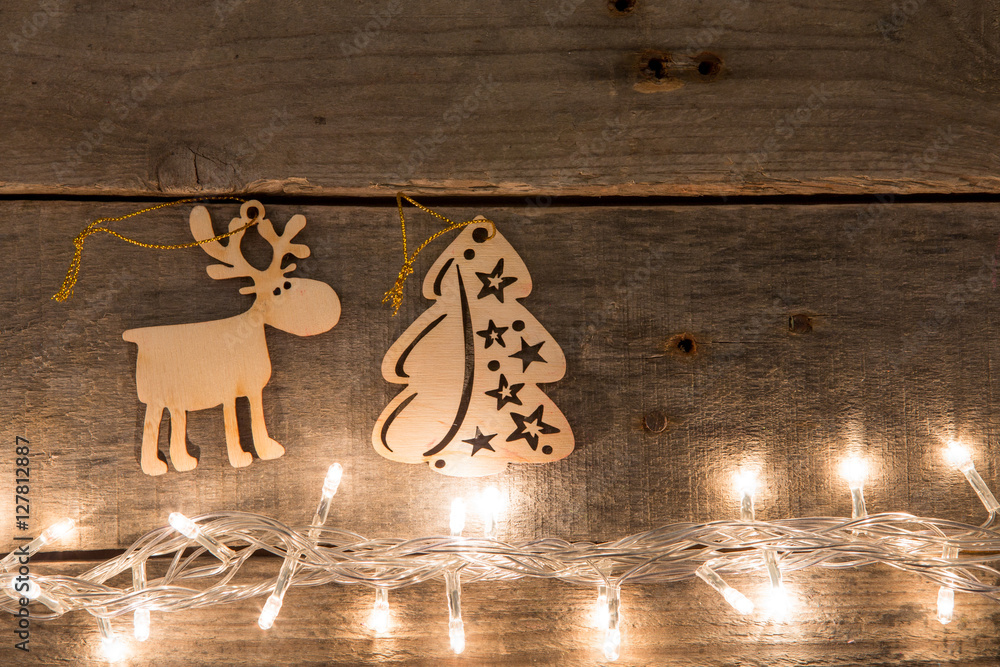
x,y
778,336
546,98
873,616
681,310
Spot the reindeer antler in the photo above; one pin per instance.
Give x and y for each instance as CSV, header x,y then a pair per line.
x,y
234,265
283,245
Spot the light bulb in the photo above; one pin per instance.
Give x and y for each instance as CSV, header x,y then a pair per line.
x,y
183,525
379,620
269,612
54,532
332,482
190,530
612,643
490,506
57,530
113,647
457,517
854,470
945,605
612,633
601,611
780,602
745,482
959,457
456,635
732,596
140,624
330,485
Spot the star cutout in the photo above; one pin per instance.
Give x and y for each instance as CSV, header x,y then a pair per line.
x,y
529,353
529,428
505,393
480,442
493,334
494,283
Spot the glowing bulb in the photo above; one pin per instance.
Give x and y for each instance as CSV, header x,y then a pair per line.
x,y
612,633
746,485
780,602
140,619
332,482
456,635
946,605
601,612
269,612
457,517
456,629
490,506
51,534
113,647
190,530
958,455
330,485
379,620
57,530
184,525
612,643
732,596
854,470
140,624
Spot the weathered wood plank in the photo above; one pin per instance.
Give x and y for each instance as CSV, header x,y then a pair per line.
x,y
459,97
873,616
902,326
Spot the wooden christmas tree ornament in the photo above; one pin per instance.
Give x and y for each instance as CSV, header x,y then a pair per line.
x,y
471,364
202,365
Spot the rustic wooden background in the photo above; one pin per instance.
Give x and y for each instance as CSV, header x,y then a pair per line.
x,y
819,224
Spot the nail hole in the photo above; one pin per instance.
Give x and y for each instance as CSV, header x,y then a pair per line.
x,y
658,67
654,422
800,323
252,212
709,65
683,344
621,6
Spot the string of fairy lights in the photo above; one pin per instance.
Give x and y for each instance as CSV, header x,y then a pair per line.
x,y
957,556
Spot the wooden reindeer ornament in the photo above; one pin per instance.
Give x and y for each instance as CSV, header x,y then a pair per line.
x,y
471,364
201,365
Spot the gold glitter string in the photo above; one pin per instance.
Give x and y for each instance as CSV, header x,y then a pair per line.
x,y
395,295
69,282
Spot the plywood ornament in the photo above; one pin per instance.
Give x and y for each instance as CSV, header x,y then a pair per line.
x,y
472,363
202,365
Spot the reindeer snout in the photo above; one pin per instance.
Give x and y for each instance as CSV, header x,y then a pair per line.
x,y
307,308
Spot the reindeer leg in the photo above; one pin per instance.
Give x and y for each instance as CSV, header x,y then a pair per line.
x,y
178,441
237,457
150,460
262,442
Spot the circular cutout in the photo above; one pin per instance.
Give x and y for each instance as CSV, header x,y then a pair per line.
x,y
479,234
518,325
470,253
546,450
288,285
493,365
439,463
277,291
252,212
621,6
